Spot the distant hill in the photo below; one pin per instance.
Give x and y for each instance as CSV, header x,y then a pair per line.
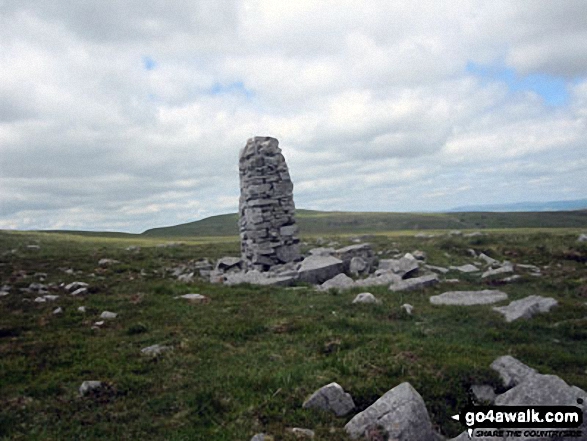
x,y
336,222
577,204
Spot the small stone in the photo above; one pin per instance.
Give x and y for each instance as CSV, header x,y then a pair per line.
x,y
582,238
419,255
155,350
331,398
261,437
488,260
58,311
81,309
100,323
408,308
196,298
89,386
50,297
106,262
366,297
79,291
40,300
302,433
33,247
108,315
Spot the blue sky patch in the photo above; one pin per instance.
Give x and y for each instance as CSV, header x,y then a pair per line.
x,y
236,88
552,89
149,63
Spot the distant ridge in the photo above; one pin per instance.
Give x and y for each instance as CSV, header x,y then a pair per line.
x,y
577,204
337,222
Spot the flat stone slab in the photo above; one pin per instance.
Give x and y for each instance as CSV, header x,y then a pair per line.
x,y
415,283
400,413
506,269
380,278
318,269
403,266
526,307
467,298
468,268
331,398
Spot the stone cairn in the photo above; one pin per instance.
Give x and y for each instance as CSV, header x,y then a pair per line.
x,y
267,223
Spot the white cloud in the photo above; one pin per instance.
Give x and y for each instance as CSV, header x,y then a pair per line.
x,y
372,103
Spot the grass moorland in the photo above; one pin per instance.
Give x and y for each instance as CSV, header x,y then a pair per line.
x,y
244,362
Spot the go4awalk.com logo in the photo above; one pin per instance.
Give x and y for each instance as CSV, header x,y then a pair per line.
x,y
522,421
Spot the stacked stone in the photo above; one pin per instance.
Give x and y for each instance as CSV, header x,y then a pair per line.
x,y
267,223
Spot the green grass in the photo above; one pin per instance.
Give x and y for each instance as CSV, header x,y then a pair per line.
x,y
245,362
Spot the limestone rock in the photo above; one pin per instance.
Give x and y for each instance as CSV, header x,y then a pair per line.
x,y
340,281
419,255
467,298
81,309
255,277
468,268
380,278
361,253
58,311
89,386
511,370
358,266
415,283
227,264
331,398
195,298
107,315
366,297
75,285
483,393
318,269
582,238
526,307
437,269
408,308
501,270
106,262
400,413
405,266
79,291
155,350
262,437
301,433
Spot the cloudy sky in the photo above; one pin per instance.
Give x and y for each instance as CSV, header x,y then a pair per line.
x,y
126,115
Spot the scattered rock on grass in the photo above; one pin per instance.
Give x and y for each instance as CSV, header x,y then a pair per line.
x,y
582,238
366,297
468,268
106,262
302,433
501,270
108,315
155,350
467,298
331,398
196,298
262,437
58,311
89,386
408,308
79,291
415,283
400,414
511,370
340,281
526,307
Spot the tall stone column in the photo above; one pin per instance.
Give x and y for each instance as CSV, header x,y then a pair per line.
x,y
267,225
